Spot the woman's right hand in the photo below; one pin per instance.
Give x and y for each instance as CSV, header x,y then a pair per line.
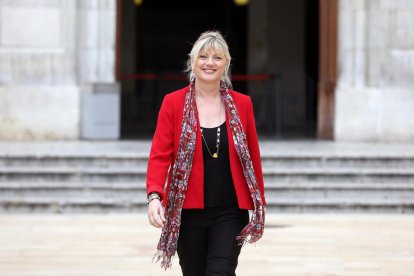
x,y
156,213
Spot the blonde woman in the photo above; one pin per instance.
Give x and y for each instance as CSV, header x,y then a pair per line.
x,y
206,139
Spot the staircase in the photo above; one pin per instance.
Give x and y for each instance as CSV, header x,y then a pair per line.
x,y
110,177
303,183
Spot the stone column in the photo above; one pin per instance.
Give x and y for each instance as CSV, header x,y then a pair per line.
x,y
96,41
375,92
96,69
39,96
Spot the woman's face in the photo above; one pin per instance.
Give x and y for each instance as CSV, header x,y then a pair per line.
x,y
209,66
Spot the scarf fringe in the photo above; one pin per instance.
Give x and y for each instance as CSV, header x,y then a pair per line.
x,y
250,233
166,259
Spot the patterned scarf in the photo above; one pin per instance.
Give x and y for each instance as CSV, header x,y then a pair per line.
x,y
253,231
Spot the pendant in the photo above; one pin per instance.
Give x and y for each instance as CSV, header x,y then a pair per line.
x,y
215,155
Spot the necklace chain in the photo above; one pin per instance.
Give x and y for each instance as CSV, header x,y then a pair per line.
x,y
215,155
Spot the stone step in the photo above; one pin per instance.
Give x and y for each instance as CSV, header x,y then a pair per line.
x,y
268,161
53,205
67,190
268,185
272,197
338,186
105,177
118,195
338,175
273,192
43,174
277,194
340,178
140,186
274,175
334,206
72,185
75,161
338,162
299,195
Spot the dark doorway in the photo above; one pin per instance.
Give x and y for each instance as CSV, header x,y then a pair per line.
x,y
156,39
275,40
283,42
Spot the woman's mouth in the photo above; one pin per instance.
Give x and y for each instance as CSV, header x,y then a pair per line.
x,y
209,70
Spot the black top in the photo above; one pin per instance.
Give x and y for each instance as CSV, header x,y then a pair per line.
x,y
218,183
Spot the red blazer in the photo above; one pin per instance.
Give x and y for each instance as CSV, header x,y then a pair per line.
x,y
165,147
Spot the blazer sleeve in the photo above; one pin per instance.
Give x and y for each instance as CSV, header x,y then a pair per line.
x,y
162,148
253,143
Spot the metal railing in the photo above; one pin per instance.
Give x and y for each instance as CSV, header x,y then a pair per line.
x,y
266,91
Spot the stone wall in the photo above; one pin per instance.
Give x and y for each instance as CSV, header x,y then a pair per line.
x,y
49,51
375,92
52,51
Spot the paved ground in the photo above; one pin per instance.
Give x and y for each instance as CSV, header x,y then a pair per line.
x,y
123,244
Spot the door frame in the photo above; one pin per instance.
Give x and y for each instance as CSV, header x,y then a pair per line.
x,y
328,43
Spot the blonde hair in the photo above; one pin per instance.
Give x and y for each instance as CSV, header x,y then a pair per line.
x,y
211,40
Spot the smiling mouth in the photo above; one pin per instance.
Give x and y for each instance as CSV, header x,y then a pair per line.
x,y
209,70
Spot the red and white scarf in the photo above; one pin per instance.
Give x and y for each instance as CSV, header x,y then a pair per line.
x,y
253,231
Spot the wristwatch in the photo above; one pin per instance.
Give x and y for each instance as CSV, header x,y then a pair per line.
x,y
153,195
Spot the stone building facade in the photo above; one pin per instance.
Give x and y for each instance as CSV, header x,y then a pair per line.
x,y
52,53
56,54
375,88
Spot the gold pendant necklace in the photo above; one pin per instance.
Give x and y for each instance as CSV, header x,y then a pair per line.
x,y
215,155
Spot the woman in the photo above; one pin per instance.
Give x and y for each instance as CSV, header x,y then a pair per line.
x,y
206,132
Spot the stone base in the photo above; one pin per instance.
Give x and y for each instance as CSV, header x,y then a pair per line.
x,y
39,112
374,114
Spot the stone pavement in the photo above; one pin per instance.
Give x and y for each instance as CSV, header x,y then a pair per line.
x,y
123,244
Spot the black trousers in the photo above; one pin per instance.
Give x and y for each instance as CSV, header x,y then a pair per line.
x,y
207,244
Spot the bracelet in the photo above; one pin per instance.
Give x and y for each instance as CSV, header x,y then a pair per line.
x,y
153,195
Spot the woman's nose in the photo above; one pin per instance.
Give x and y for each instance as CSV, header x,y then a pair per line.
x,y
209,60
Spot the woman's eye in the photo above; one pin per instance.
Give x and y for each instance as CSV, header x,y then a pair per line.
x,y
203,56
218,58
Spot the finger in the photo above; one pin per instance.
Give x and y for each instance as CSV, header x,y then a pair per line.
x,y
162,213
157,221
151,218
152,211
152,222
